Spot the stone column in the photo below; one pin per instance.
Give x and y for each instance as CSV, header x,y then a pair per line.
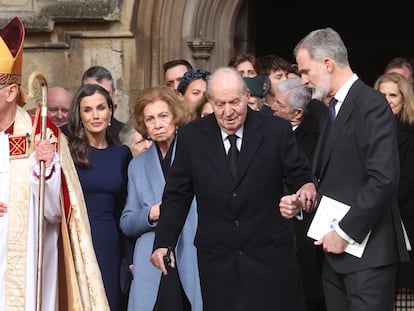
x,y
201,49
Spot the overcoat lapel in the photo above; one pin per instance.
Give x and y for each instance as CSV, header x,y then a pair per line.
x,y
216,152
252,139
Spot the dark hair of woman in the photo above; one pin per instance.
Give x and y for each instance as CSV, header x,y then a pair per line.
x,y
78,140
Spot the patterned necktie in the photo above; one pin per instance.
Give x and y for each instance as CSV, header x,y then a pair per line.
x,y
233,153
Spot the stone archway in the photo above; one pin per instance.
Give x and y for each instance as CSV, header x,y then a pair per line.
x,y
132,38
200,31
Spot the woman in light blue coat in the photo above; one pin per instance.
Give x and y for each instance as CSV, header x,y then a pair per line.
x,y
158,113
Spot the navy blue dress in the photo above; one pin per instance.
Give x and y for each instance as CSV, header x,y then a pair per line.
x,y
104,187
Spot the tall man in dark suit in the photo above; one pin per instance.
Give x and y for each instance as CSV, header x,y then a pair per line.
x,y
358,166
245,248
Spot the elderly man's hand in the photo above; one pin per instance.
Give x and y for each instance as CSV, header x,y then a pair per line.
x,y
157,259
289,206
304,199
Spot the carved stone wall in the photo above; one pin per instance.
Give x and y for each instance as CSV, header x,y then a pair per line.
x,y
132,38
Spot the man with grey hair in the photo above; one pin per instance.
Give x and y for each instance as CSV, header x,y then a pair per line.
x,y
291,100
245,247
357,166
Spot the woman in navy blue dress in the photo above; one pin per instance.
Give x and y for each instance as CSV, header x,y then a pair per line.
x,y
102,168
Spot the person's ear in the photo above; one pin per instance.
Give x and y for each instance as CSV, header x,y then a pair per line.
x,y
248,94
329,64
299,112
12,92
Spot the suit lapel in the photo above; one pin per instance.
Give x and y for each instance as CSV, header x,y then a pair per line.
x,y
342,117
252,139
316,156
216,152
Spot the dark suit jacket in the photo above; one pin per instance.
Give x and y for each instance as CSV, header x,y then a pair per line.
x,y
245,247
406,197
115,128
266,109
307,134
318,111
309,256
360,167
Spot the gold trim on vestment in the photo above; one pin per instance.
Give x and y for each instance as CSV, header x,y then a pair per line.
x,y
83,260
18,214
10,78
80,282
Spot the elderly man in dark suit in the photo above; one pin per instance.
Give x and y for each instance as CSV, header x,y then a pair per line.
x,y
245,247
358,165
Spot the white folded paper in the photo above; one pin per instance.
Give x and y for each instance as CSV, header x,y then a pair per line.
x,y
406,239
326,218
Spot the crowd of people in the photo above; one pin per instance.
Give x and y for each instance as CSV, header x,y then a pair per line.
x,y
202,200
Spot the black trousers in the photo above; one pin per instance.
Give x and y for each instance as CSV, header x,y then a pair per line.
x,y
366,290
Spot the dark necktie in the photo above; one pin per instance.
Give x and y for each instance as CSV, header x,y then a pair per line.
x,y
233,153
332,114
329,121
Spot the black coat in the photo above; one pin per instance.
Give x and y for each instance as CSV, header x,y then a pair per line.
x,y
245,247
309,256
405,277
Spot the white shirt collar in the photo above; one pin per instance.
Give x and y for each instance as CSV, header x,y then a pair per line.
x,y
239,133
226,142
343,91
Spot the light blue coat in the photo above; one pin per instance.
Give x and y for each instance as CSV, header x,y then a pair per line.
x,y
145,188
